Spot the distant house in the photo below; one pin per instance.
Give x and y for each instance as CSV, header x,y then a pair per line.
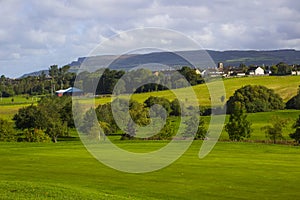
x,y
297,73
256,71
212,72
259,71
70,91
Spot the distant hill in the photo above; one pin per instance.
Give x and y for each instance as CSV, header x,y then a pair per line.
x,y
233,58
199,58
37,73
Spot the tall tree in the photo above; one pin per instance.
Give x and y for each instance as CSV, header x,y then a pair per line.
x,y
238,126
274,131
296,134
53,72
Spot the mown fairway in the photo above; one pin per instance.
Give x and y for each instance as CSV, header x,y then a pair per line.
x,y
231,171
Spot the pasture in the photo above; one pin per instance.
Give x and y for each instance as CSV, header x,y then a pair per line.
x,y
231,171
285,86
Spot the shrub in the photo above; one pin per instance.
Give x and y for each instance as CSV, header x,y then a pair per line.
x,y
7,132
35,135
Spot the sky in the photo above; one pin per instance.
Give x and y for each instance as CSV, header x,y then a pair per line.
x,y
37,34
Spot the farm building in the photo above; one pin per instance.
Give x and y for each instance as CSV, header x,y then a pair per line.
x,y
70,91
257,71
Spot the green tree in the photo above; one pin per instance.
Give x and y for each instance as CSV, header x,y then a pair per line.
x,y
55,129
190,128
255,98
296,134
175,107
201,131
283,68
35,135
191,76
53,72
294,102
89,121
165,103
238,126
166,133
274,131
139,116
52,115
29,117
274,69
7,132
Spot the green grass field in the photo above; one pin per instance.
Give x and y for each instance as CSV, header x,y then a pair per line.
x,y
285,86
230,171
9,108
262,119
21,99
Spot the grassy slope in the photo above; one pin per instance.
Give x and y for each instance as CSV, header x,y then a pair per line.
x,y
285,86
230,171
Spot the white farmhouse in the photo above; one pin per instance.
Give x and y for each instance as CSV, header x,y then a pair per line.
x,y
259,71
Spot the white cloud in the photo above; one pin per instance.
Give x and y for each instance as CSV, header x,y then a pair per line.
x,y
35,34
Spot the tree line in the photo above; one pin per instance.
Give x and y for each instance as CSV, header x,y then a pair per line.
x,y
136,81
102,81
57,78
154,109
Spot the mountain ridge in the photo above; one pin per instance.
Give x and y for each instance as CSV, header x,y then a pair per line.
x,y
228,57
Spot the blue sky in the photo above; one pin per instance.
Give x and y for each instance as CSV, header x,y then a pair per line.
x,y
37,34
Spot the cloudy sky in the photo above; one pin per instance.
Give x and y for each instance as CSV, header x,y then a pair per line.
x,y
37,34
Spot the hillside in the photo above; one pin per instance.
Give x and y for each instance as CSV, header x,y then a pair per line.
x,y
285,86
199,58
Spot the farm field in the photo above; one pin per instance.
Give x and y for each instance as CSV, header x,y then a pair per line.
x,y
285,86
231,171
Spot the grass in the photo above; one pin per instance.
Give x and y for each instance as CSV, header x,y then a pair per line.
x,y
18,100
262,119
230,171
8,111
285,86
9,108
